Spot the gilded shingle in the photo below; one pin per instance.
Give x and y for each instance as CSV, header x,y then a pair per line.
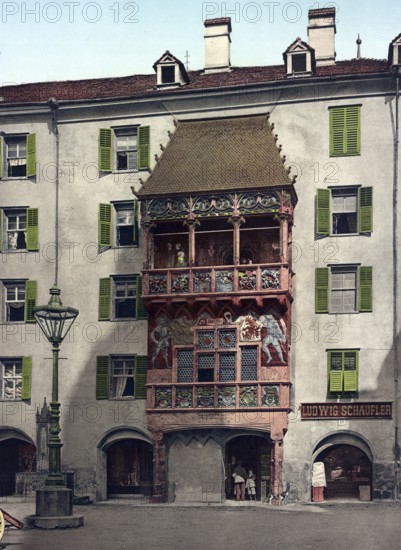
x,y
233,153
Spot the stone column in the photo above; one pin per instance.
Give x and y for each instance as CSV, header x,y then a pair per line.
x,y
159,468
277,468
236,221
283,238
147,225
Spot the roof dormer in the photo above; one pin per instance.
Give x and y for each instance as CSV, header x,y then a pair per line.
x,y
394,51
299,59
170,72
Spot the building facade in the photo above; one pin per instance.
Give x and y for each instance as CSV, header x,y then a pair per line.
x,y
229,236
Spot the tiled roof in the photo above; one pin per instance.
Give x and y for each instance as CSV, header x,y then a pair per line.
x,y
234,153
131,86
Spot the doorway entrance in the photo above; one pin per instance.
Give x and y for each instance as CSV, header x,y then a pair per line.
x,y
348,472
15,456
129,468
254,452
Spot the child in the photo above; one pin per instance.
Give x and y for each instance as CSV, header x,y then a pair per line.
x,y
250,485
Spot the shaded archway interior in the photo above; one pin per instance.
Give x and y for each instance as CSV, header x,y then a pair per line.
x,y
16,455
129,468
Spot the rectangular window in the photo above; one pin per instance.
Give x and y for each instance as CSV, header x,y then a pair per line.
x,y
185,359
16,156
124,148
121,376
299,63
342,371
118,226
14,301
168,74
124,297
345,133
344,211
343,289
120,297
11,378
15,229
249,368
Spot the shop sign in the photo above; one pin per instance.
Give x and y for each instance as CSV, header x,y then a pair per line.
x,y
321,411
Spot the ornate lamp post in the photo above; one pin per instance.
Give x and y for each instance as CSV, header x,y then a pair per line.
x,y
55,320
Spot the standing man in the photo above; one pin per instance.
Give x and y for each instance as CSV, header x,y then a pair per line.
x,y
239,476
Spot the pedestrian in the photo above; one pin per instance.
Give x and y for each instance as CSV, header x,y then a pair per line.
x,y
239,476
251,485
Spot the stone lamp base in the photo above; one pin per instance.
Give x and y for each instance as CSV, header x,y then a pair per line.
x,y
53,510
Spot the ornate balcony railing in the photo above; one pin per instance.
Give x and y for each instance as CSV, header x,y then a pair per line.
x,y
212,395
263,278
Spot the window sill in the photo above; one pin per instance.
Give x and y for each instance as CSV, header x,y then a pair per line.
x,y
127,398
133,171
15,178
117,246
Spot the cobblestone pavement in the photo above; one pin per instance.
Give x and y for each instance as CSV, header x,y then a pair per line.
x,y
123,525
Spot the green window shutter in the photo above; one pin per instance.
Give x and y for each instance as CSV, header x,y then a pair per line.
x,y
365,287
335,370
31,290
31,155
337,133
1,230
345,131
102,377
365,210
1,156
323,212
141,370
105,150
26,377
352,130
141,312
135,236
104,225
350,371
143,147
322,290
32,229
104,299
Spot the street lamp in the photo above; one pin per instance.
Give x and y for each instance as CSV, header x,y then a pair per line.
x,y
55,320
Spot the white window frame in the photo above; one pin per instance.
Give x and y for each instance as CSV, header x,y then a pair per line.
x,y
345,192
14,284
125,280
119,388
131,151
343,270
18,158
7,214
11,374
120,207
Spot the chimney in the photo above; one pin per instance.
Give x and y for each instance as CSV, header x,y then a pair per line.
x,y
217,45
321,31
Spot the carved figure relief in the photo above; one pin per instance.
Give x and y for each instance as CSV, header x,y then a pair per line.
x,y
160,341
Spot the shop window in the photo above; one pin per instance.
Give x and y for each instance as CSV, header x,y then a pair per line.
x,y
19,301
343,289
125,148
121,376
345,131
120,297
342,371
15,378
344,211
118,224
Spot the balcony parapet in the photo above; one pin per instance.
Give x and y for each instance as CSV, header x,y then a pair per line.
x,y
228,279
221,396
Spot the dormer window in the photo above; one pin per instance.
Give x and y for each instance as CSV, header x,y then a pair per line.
x,y
299,59
170,72
394,51
299,63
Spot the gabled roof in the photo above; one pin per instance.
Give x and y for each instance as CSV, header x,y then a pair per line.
x,y
299,42
139,85
391,49
168,57
224,154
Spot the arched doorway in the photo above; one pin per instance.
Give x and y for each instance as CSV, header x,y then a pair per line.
x,y
254,452
348,467
17,454
129,468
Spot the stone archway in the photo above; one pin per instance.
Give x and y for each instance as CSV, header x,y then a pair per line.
x,y
126,464
17,455
348,465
